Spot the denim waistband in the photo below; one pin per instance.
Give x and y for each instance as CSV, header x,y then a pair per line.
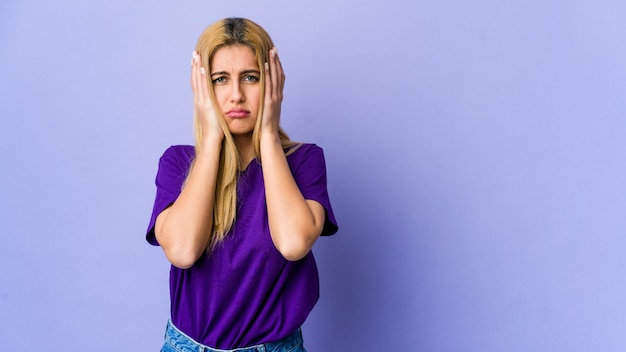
x,y
183,343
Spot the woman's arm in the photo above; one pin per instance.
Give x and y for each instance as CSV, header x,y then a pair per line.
x,y
295,223
184,229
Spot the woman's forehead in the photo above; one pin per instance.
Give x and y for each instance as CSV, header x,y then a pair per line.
x,y
233,57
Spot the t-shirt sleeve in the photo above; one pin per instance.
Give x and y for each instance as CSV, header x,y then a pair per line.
x,y
309,172
173,168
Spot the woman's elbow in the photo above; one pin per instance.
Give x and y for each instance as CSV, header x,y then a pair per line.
x,y
293,254
182,263
295,249
182,254
182,259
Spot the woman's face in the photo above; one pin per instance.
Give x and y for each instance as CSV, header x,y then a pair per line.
x,y
236,81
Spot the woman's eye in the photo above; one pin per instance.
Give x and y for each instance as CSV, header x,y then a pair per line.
x,y
219,80
251,79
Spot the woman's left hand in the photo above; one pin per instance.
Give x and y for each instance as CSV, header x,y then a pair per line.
x,y
274,83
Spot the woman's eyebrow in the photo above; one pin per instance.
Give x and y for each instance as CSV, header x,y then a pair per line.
x,y
221,73
245,72
249,71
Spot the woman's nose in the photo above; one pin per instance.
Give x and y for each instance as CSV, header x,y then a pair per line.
x,y
237,93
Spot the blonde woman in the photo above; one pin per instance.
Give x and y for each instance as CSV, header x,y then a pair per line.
x,y
238,213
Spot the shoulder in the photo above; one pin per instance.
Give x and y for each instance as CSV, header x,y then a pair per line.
x,y
176,160
306,158
304,150
178,154
179,151
306,147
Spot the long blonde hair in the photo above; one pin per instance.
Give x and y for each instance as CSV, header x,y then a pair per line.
x,y
226,32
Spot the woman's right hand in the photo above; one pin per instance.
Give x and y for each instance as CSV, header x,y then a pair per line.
x,y
202,102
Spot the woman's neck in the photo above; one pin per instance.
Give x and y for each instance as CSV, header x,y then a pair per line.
x,y
245,148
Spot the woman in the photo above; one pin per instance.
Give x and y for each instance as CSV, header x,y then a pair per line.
x,y
238,214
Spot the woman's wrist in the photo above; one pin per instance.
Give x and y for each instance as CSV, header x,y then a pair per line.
x,y
269,135
210,145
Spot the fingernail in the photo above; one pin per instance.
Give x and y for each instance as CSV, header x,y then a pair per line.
x,y
267,66
275,51
202,71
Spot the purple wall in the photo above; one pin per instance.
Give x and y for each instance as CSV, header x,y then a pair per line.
x,y
476,156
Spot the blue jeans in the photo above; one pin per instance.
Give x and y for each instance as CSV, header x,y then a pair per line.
x,y
177,341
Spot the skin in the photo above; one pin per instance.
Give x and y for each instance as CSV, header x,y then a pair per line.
x,y
236,82
183,229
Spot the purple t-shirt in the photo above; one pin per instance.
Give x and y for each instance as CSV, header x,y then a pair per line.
x,y
244,292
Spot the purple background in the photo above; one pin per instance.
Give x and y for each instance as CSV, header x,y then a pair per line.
x,y
476,156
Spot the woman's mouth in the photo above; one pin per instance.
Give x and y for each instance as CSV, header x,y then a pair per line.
x,y
237,113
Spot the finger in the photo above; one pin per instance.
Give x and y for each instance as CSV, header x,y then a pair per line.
x,y
268,83
200,77
274,73
194,76
279,75
191,82
204,86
